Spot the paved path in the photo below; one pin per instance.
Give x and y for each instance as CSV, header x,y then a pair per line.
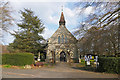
x,y
61,70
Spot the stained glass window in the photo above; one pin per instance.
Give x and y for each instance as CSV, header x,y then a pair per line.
x,y
58,39
62,38
65,39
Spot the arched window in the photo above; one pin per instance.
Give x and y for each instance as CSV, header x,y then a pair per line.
x,y
58,39
65,39
62,38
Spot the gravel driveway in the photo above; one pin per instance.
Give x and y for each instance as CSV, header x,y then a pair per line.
x,y
59,71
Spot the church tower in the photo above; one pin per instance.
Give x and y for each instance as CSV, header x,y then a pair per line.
x,y
62,19
62,45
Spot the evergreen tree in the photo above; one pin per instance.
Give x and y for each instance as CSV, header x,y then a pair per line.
x,y
28,38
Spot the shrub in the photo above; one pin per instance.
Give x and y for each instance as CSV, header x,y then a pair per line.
x,y
18,59
75,60
39,64
82,62
92,62
7,66
46,64
109,64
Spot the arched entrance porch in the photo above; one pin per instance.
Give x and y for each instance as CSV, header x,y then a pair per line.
x,y
62,56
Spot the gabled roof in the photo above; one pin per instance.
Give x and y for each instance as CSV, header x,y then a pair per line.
x,y
62,30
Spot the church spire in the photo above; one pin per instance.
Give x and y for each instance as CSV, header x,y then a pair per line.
x,y
62,20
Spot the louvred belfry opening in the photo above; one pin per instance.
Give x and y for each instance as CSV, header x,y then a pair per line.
x,y
62,19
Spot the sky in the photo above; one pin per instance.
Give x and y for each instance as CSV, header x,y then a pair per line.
x,y
49,12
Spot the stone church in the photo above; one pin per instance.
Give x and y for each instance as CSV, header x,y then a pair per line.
x,y
62,45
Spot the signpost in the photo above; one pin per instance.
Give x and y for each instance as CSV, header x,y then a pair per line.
x,y
96,59
85,58
88,60
90,57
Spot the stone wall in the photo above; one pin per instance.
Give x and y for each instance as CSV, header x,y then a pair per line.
x,y
69,48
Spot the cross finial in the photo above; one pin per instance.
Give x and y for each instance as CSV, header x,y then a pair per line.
x,y
62,8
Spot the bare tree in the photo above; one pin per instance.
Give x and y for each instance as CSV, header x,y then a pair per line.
x,y
5,12
5,18
105,13
100,28
100,42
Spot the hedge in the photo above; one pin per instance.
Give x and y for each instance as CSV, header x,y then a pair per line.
x,y
109,64
75,60
18,59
